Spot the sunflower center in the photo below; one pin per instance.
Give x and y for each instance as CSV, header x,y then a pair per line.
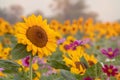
x,y
91,63
37,36
78,64
0,57
64,30
73,29
57,37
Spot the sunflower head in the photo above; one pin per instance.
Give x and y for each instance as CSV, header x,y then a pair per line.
x,y
74,29
90,59
36,34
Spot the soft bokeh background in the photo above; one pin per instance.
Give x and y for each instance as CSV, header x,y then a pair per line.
x,y
99,10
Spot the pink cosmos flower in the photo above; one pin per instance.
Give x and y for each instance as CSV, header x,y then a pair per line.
x,y
110,70
1,69
110,53
76,43
60,41
87,78
25,61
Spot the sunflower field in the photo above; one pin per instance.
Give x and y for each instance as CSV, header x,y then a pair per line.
x,y
34,49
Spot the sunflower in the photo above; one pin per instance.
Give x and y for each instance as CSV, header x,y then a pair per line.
x,y
74,21
2,74
6,28
64,30
54,25
80,21
73,61
90,59
4,52
73,29
70,39
63,48
58,36
36,34
67,23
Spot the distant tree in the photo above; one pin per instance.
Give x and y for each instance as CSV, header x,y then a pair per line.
x,y
11,14
37,12
66,9
118,20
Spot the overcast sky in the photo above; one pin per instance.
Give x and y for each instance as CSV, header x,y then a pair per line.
x,y
108,10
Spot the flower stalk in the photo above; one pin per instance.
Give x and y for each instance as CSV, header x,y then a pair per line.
x,y
31,71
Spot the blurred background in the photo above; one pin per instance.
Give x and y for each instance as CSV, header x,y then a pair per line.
x,y
99,10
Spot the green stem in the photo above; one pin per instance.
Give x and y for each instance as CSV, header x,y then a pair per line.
x,y
31,58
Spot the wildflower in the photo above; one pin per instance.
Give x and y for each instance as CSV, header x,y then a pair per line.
x,y
110,53
67,47
87,78
73,45
1,69
110,70
25,61
60,41
49,72
1,73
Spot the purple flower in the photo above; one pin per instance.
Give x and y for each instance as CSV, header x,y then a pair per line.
x,y
110,53
73,45
110,70
48,73
41,61
60,41
74,48
25,61
67,47
76,43
118,43
108,78
1,69
113,38
88,78
85,41
81,42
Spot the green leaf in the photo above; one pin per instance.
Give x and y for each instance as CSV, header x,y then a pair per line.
x,y
67,75
58,64
56,60
56,55
94,70
9,66
19,51
83,60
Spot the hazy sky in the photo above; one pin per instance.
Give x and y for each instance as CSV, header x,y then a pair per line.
x,y
108,10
